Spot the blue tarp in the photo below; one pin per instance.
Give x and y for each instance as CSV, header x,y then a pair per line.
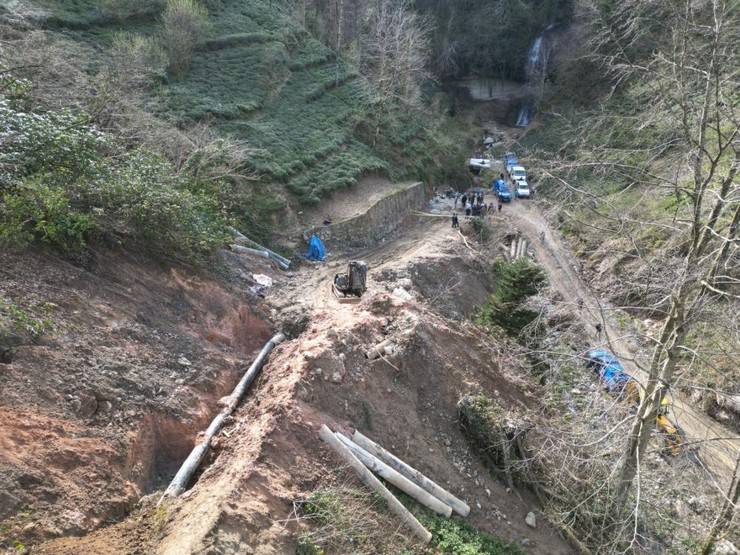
x,y
316,249
614,376
609,368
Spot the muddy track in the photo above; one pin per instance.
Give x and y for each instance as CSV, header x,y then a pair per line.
x,y
717,446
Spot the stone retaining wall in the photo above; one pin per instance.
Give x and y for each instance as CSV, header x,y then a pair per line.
x,y
376,223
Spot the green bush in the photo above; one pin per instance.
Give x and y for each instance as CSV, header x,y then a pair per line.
x,y
62,145
62,181
123,9
39,211
33,322
184,25
516,281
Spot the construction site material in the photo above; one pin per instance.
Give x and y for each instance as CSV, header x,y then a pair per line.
x,y
378,350
180,481
281,261
460,507
396,478
246,250
374,484
522,248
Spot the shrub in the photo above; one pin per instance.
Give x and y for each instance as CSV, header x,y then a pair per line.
x,y
122,9
61,144
32,322
40,211
62,180
184,26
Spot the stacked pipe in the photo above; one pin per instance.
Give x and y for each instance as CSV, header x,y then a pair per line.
x,y
364,456
257,249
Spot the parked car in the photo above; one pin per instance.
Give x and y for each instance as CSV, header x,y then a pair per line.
x,y
518,173
522,189
510,160
503,193
477,165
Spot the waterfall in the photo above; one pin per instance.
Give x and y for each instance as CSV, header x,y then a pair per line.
x,y
535,68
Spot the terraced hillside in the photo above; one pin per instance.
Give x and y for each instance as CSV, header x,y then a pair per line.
x,y
261,77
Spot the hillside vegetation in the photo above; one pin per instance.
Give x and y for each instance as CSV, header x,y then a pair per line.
x,y
642,173
255,115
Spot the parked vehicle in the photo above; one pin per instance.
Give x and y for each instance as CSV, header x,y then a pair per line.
x,y
518,173
476,165
503,193
496,184
522,189
510,160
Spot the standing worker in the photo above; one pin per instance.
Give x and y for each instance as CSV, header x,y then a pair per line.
x,y
455,221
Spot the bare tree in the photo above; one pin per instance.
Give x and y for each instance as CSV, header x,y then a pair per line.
x,y
691,75
395,49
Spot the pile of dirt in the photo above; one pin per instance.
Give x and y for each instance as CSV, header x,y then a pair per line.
x,y
103,407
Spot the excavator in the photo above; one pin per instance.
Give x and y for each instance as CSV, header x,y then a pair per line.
x,y
349,287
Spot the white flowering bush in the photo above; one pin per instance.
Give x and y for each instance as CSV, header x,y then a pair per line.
x,y
63,182
62,144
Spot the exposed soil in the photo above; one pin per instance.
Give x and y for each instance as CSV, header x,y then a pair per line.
x,y
115,408
270,455
105,406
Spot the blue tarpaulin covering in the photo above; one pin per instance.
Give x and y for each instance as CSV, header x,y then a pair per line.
x,y
316,249
609,368
614,376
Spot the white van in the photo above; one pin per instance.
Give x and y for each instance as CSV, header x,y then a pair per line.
x,y
518,173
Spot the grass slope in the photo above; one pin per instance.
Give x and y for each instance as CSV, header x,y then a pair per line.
x,y
262,78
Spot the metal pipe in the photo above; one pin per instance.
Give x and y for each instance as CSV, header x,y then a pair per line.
x,y
192,462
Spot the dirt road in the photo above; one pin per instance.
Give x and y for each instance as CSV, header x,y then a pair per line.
x,y
717,446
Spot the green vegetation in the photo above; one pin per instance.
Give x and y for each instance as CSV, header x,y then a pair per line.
x,y
184,25
516,281
304,121
490,38
62,181
457,537
32,322
347,519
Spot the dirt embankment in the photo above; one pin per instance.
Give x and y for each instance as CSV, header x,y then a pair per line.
x,y
105,405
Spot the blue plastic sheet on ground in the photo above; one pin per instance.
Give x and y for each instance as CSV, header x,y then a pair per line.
x,y
316,249
614,376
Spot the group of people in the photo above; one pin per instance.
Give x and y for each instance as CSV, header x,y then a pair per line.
x,y
472,204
